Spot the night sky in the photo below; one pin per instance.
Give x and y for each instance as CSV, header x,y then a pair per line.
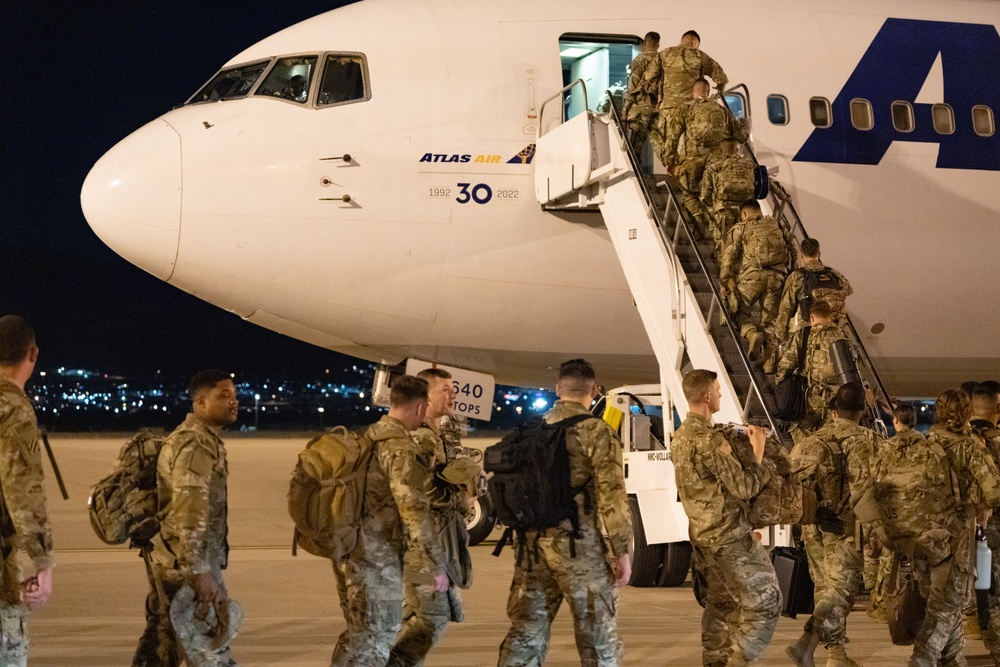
x,y
77,79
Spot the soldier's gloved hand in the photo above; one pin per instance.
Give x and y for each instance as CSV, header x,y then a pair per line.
x,y
441,583
206,588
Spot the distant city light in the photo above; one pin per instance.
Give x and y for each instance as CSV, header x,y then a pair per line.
x,y
540,403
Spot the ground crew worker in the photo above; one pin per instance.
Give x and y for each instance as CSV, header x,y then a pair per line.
x,y
817,366
680,66
904,419
703,123
835,463
427,611
191,547
758,253
945,574
586,570
985,414
396,517
727,183
742,599
832,288
644,84
24,521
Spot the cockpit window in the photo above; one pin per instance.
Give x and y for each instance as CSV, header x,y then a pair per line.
x,y
344,79
289,79
230,84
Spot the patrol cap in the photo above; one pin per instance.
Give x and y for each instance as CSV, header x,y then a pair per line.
x,y
204,626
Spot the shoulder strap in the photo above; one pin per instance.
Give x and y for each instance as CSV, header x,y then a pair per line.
x,y
802,346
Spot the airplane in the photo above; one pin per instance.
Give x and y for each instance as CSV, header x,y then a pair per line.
x,y
388,209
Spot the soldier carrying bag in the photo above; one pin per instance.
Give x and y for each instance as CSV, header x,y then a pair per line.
x,y
790,393
780,500
821,285
123,504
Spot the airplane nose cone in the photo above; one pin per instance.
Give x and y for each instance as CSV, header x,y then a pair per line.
x,y
132,198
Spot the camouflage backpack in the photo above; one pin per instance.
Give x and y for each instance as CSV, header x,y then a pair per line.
x,y
913,485
736,180
822,285
123,504
779,502
706,123
764,244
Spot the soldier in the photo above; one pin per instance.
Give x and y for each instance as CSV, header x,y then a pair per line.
x,y
985,414
191,547
703,123
581,570
743,600
396,517
945,573
828,285
835,463
904,419
817,366
24,522
727,183
644,83
754,265
680,66
427,610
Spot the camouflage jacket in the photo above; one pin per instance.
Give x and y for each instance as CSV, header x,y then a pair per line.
x,y
22,482
681,67
990,434
191,474
694,117
754,244
817,364
795,285
713,182
644,82
443,496
397,506
714,487
836,462
903,439
595,460
978,477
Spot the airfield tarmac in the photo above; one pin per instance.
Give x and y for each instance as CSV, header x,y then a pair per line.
x,y
290,603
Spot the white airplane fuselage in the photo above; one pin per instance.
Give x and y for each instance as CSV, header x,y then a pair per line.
x,y
236,202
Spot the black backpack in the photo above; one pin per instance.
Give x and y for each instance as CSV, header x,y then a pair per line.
x,y
530,486
820,285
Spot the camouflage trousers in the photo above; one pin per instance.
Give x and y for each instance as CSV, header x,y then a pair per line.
x,y
759,286
991,632
665,116
544,576
370,587
835,565
689,174
13,615
426,613
742,601
880,583
721,221
641,119
946,585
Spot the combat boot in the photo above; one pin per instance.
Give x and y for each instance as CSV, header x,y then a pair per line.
x,y
838,658
755,343
801,652
971,628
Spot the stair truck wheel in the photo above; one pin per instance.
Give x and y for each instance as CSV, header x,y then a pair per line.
x,y
676,564
481,520
646,559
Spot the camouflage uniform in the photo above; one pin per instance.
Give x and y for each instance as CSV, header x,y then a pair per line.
x,y
25,523
755,261
836,462
680,67
724,213
818,369
191,474
644,85
691,121
991,633
742,600
795,286
551,573
946,579
426,611
396,517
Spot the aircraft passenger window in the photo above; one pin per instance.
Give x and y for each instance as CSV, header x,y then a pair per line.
x,y
944,119
820,112
289,79
737,105
230,84
862,117
902,116
982,120
344,80
777,109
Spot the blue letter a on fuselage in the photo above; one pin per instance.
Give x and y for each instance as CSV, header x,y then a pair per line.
x,y
895,67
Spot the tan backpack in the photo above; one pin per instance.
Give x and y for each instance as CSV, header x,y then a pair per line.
x,y
764,245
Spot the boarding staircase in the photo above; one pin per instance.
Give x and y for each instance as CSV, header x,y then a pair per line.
x,y
585,163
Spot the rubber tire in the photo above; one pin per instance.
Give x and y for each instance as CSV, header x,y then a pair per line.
x,y
676,564
483,518
646,559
